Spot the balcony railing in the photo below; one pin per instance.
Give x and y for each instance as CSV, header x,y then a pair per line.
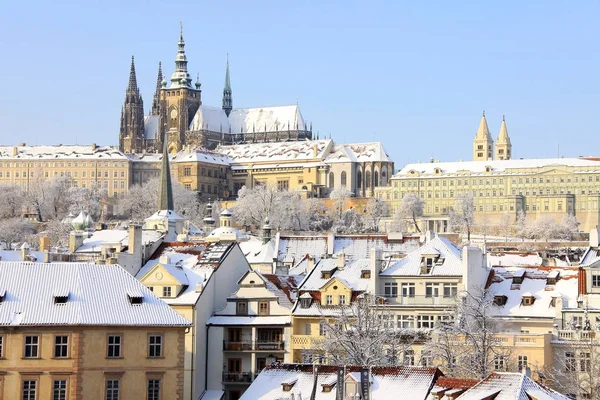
x,y
254,346
419,300
575,335
238,377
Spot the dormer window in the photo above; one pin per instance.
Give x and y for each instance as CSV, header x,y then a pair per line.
x,y
305,300
528,299
61,299
325,274
2,295
427,264
552,277
288,385
365,274
500,300
517,280
135,297
242,308
327,387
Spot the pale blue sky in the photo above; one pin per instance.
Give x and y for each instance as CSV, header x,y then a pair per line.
x,y
415,75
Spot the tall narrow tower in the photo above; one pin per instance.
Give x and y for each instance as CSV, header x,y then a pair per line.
x,y
503,145
131,133
483,145
165,188
227,98
156,98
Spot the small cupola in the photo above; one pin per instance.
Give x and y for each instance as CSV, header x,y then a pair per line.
x,y
225,217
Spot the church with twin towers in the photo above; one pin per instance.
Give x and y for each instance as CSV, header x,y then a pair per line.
x,y
178,116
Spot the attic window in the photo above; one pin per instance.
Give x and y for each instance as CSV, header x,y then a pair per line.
x,y
135,297
365,274
61,299
427,265
528,299
305,302
2,295
552,277
517,280
327,387
287,386
500,300
325,274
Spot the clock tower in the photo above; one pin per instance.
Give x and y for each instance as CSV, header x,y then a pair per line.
x,y
179,102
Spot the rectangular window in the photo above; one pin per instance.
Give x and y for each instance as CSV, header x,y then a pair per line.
x,y
406,321
242,308
283,185
59,390
408,290
61,346
521,363
570,363
596,280
585,361
499,363
390,289
432,290
113,346
307,329
112,389
29,390
155,345
1,346
425,321
166,291
329,300
263,308
450,289
32,346
187,171
153,389
409,357
342,299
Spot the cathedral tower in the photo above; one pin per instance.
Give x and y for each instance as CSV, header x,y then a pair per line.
x,y
179,102
227,99
483,145
131,133
156,98
503,145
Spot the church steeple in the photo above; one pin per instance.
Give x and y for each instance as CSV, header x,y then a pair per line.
x,y
503,145
165,189
181,77
483,145
156,99
227,98
131,133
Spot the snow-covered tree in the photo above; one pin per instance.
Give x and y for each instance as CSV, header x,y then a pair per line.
x,y
318,216
363,334
339,197
570,226
15,230
398,223
467,345
522,225
505,225
376,209
351,221
462,216
11,201
290,212
253,205
90,200
411,208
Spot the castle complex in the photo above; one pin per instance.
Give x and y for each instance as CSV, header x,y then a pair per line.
x,y
178,115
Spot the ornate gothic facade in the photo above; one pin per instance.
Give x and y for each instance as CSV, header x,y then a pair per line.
x,y
178,115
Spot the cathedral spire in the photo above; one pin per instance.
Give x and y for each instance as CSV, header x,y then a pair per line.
x,y
483,132
156,99
181,77
503,145
165,189
483,143
227,95
132,87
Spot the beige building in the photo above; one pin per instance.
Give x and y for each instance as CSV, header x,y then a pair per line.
x,y
84,331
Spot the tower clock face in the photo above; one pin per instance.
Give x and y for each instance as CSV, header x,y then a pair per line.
x,y
173,113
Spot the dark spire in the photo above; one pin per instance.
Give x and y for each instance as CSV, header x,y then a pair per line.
x,y
132,87
156,99
227,98
165,189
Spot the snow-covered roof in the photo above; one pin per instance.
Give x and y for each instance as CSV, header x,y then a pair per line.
x,y
510,386
495,165
297,247
448,263
254,320
283,286
534,284
165,214
271,119
350,275
358,152
277,151
99,296
151,126
210,118
70,152
590,257
225,233
386,382
257,252
359,246
199,155
94,242
17,255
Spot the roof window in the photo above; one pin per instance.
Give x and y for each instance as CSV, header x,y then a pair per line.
x,y
500,300
2,295
135,297
365,274
288,385
60,296
528,299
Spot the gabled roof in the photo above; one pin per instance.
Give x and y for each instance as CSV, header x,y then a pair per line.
x,y
98,296
350,274
358,152
271,119
510,386
285,287
98,238
411,264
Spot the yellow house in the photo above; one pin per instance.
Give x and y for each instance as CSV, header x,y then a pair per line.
x,y
84,331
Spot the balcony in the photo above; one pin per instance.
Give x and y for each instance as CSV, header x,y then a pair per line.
x,y
575,335
419,300
238,377
305,341
258,345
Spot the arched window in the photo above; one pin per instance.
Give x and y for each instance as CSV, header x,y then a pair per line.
x,y
358,179
344,178
376,183
368,179
331,179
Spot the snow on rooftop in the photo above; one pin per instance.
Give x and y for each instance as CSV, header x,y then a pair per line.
x,y
509,386
198,155
151,126
70,152
449,256
349,275
359,246
277,151
358,152
98,296
295,248
114,236
257,252
496,165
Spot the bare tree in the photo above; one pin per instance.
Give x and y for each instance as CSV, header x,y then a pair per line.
x,y
505,225
11,201
376,209
462,216
467,344
15,230
398,223
318,215
411,207
339,197
363,334
351,221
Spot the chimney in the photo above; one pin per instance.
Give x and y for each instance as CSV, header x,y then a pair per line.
x,y
526,371
75,241
475,272
310,264
22,144
15,151
46,257
594,237
24,251
135,239
375,259
341,261
44,243
94,146
165,259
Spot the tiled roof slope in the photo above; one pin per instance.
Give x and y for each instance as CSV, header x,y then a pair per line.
x,y
98,295
387,382
359,246
510,386
411,264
